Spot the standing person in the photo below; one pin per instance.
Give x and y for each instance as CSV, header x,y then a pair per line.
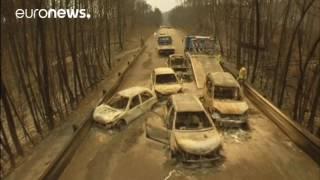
x,y
242,75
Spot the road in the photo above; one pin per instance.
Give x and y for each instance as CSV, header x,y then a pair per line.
x,y
263,152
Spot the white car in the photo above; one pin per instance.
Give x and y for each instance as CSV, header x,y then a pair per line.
x,y
187,128
164,82
124,107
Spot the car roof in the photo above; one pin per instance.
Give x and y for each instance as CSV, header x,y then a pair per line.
x,y
130,92
202,37
186,102
163,70
223,79
163,35
176,55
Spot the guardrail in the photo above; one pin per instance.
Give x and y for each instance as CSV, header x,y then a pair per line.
x,y
301,137
55,169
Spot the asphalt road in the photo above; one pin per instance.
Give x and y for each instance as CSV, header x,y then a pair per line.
x,y
263,152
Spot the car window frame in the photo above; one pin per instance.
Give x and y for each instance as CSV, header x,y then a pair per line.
x,y
141,100
170,124
131,100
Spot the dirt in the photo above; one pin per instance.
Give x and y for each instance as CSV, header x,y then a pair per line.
x,y
263,152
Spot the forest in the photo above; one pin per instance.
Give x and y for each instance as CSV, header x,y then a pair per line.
x,y
49,65
278,41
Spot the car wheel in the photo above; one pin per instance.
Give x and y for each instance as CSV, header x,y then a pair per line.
x,y
121,125
245,126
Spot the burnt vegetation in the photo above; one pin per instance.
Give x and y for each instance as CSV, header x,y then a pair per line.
x,y
49,65
277,41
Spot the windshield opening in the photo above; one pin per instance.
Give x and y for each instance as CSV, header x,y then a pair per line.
x,y
177,61
166,79
164,40
226,93
118,102
192,121
203,45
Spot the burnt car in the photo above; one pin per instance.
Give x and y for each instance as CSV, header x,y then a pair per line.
x,y
224,100
180,65
165,82
165,46
124,107
187,128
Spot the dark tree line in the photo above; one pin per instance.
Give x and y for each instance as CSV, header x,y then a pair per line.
x,y
49,65
277,41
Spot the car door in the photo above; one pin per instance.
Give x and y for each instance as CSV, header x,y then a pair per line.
x,y
159,128
147,100
134,109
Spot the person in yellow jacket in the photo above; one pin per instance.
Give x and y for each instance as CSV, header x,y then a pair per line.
x,y
219,59
242,75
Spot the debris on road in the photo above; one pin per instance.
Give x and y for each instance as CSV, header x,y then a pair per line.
x,y
236,135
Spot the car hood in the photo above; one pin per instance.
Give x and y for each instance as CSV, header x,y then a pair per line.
x,y
198,142
168,88
166,47
105,113
178,66
230,106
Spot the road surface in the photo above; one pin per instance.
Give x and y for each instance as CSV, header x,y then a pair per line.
x,y
263,152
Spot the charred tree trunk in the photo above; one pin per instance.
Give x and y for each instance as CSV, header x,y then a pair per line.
x,y
10,120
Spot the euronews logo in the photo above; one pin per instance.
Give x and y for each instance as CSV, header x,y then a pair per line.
x,y
52,13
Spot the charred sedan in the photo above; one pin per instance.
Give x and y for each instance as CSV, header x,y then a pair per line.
x,y
180,65
164,82
124,107
188,130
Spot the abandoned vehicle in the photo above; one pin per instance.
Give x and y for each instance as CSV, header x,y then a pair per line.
x,y
164,82
187,128
224,100
165,46
124,107
180,65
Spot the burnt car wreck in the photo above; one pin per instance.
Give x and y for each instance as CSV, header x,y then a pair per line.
x,y
187,128
224,100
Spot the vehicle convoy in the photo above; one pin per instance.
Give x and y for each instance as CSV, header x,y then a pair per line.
x,y
165,82
124,107
187,128
165,46
199,51
180,65
224,100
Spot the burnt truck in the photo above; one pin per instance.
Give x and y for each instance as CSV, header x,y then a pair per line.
x,y
199,51
165,46
221,91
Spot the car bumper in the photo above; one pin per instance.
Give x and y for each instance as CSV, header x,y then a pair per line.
x,y
105,125
192,158
230,122
166,51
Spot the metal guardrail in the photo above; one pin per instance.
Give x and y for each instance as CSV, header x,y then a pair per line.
x,y
301,137
58,165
